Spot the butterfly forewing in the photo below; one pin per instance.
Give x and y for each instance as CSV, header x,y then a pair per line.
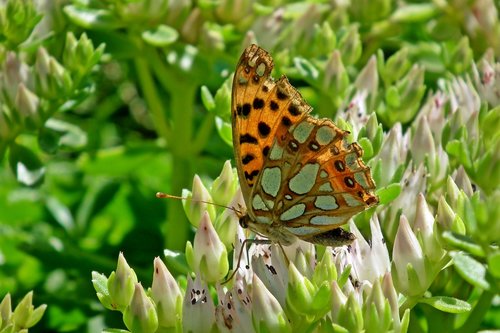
x,y
257,103
298,174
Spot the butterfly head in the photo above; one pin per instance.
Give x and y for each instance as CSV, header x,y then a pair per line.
x,y
243,220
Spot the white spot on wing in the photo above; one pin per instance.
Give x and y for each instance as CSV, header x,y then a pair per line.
x,y
261,69
325,135
293,212
302,131
302,231
361,179
305,179
351,161
327,220
351,200
326,202
326,187
263,219
271,181
276,152
258,203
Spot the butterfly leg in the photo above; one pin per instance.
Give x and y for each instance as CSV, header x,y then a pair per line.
x,y
284,253
245,245
335,237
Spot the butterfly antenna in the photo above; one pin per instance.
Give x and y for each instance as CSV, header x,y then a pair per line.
x,y
162,195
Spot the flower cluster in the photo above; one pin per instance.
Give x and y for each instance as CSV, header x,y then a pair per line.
x,y
31,91
24,316
356,287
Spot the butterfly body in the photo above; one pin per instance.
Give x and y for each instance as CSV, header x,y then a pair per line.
x,y
299,176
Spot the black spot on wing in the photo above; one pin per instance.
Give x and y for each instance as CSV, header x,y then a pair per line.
x,y
313,146
339,165
251,175
247,159
294,110
245,111
258,103
293,145
281,95
247,138
264,129
265,151
274,106
349,182
286,121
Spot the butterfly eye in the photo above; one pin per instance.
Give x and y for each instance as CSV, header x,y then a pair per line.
x,y
243,222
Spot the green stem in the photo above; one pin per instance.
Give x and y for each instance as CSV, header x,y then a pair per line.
x,y
153,100
409,303
3,149
177,227
182,101
204,132
477,314
162,73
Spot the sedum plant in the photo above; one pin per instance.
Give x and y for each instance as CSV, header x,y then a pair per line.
x,y
24,316
417,239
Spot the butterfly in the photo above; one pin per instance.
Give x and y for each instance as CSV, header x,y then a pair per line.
x,y
299,176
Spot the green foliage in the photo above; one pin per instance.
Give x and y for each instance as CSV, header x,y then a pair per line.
x,y
102,104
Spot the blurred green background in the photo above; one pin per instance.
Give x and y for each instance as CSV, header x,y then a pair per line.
x,y
104,103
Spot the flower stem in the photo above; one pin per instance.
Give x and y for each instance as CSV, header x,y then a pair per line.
x,y
477,314
153,100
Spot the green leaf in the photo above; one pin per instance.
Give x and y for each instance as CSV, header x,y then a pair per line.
x,y
463,242
223,100
100,282
392,97
388,193
207,98
447,304
306,69
98,195
405,321
36,315
89,18
489,126
60,134
470,270
459,150
415,13
344,276
26,165
61,213
177,261
160,36
225,130
494,264
339,329
366,144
